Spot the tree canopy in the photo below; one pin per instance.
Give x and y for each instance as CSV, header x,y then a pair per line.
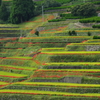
x,y
87,9
4,14
51,3
21,11
0,2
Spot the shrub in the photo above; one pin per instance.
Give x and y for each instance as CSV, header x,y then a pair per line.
x,y
37,33
89,33
96,37
87,9
56,20
70,16
96,2
72,33
91,19
96,26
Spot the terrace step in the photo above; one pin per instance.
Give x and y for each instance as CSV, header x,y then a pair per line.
x,y
64,79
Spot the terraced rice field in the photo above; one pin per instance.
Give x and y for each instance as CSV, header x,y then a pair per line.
x,y
49,67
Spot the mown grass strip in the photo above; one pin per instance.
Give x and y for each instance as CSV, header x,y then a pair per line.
x,y
71,52
20,58
3,83
74,63
85,44
57,84
12,75
51,48
35,92
57,37
17,67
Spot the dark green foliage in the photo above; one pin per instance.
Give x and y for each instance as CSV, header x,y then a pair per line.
x,y
96,26
98,8
96,2
61,7
89,33
91,80
56,20
21,11
87,9
37,33
96,37
51,3
75,10
64,1
70,16
16,97
75,58
90,20
38,10
4,14
0,2
72,33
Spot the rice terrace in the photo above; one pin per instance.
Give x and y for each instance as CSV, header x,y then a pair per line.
x,y
49,49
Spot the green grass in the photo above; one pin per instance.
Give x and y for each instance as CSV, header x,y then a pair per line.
x,y
57,84
73,52
74,63
3,83
2,73
49,92
18,67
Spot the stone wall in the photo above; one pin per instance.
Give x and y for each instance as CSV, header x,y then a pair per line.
x,y
65,80
93,48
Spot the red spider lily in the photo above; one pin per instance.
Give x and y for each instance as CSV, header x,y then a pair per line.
x,y
20,48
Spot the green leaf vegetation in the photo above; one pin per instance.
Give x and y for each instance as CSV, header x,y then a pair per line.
x,y
87,10
0,2
23,12
51,3
4,14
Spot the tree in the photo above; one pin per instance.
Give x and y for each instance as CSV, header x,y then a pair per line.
x,y
74,33
75,10
51,3
70,33
37,33
87,10
89,33
21,11
4,14
0,2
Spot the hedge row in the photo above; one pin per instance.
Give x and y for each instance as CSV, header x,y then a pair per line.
x,y
54,8
70,16
89,20
56,20
96,26
96,2
96,37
